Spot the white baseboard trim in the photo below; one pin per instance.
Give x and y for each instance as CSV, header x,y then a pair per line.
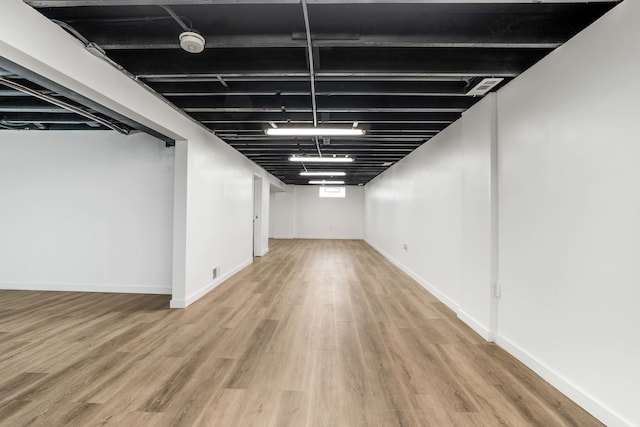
x,y
86,287
573,392
282,237
329,237
184,303
264,252
480,329
428,286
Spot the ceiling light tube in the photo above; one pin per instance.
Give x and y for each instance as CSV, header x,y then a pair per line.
x,y
323,182
318,173
307,159
313,132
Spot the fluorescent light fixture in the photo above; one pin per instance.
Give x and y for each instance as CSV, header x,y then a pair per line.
x,y
323,182
314,132
326,173
320,159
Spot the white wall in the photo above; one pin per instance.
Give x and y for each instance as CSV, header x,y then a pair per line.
x,y
437,201
569,217
479,217
328,218
272,195
300,213
418,203
219,210
265,218
212,182
89,211
284,214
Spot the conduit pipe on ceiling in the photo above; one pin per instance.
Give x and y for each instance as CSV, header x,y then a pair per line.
x,y
176,18
93,48
312,75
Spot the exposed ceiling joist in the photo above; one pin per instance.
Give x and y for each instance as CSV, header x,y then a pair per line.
x,y
289,41
63,104
371,129
285,76
336,62
324,110
324,88
31,109
45,89
335,116
327,103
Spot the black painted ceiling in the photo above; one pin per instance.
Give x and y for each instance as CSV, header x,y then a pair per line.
x,y
400,69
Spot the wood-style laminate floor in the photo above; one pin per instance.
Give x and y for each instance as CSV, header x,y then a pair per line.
x,y
316,333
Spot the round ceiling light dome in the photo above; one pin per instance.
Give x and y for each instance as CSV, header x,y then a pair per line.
x,y
192,42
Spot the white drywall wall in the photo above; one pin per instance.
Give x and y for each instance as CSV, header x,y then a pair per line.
x,y
569,217
301,213
437,202
219,197
478,227
284,215
207,171
328,218
417,203
265,218
85,211
220,207
272,205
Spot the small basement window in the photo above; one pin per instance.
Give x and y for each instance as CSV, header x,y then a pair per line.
x,y
331,191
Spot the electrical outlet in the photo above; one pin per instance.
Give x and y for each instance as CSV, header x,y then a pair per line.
x,y
405,246
215,273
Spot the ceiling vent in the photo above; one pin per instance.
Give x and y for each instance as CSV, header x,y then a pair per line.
x,y
484,86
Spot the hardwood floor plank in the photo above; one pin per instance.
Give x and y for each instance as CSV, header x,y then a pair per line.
x,y
248,364
315,333
224,410
323,393
10,407
147,378
66,414
195,397
131,418
18,383
285,371
291,409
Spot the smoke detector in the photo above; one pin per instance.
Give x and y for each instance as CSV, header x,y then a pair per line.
x,y
192,42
